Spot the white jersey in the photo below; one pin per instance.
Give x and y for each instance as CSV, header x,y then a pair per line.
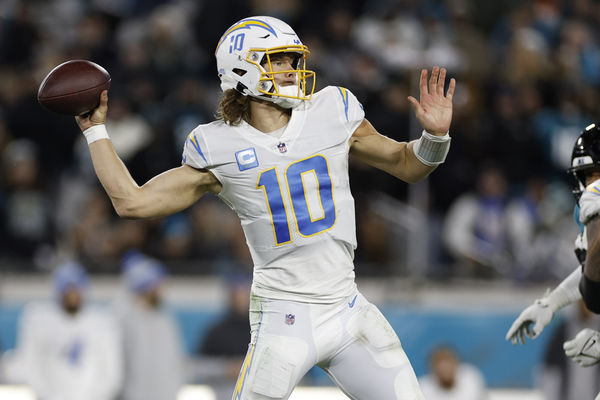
x,y
469,385
590,202
292,195
70,357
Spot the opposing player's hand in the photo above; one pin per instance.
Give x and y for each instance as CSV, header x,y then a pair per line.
x,y
433,109
539,314
585,348
95,117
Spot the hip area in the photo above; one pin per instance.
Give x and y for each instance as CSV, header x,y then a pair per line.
x,y
326,328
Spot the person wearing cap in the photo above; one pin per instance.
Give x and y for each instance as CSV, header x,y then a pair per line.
x,y
153,356
69,350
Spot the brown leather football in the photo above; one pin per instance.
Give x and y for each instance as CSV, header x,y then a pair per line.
x,y
73,87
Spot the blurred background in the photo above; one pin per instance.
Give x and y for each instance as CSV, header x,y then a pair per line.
x,y
450,261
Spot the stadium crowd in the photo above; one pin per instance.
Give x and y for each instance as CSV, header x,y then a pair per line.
x,y
528,75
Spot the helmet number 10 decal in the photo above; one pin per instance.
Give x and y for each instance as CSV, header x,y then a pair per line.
x,y
237,42
306,180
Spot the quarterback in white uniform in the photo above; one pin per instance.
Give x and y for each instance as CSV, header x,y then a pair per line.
x,y
278,156
585,347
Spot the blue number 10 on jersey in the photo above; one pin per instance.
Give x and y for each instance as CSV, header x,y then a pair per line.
x,y
306,223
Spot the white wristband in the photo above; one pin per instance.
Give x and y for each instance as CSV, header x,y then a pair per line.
x,y
95,132
432,150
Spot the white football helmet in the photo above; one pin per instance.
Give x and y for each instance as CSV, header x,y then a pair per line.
x,y
248,45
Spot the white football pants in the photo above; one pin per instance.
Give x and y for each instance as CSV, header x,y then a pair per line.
x,y
351,340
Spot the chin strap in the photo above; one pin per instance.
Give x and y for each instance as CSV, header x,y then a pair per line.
x,y
287,102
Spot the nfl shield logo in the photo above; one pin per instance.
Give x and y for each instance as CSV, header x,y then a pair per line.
x,y
281,147
290,319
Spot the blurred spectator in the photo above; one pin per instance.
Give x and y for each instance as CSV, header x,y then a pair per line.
x,y
221,353
560,377
396,38
26,217
218,236
539,222
578,54
176,238
152,348
18,36
375,254
131,134
475,230
93,231
557,126
513,237
65,346
508,133
450,379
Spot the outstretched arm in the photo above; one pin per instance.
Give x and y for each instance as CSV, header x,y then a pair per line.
x,y
165,194
409,161
592,261
590,281
532,321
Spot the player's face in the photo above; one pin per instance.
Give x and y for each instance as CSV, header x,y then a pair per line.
x,y
592,175
72,300
444,366
280,63
152,297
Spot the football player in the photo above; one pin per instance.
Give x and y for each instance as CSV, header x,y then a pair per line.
x,y
584,281
278,156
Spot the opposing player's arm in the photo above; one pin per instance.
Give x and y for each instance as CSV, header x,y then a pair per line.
x,y
592,262
165,194
589,285
412,161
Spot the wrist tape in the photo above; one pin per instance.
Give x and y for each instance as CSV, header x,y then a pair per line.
x,y
432,150
95,132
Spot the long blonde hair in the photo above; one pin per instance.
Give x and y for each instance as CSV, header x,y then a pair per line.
x,y
233,107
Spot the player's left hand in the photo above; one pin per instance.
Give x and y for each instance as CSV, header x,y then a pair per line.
x,y
434,110
539,314
585,348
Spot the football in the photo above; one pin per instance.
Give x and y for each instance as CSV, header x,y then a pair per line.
x,y
73,87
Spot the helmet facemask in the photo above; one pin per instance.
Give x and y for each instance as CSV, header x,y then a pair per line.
x,y
288,96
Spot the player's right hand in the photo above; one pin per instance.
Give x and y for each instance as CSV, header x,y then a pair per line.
x,y
95,117
539,314
584,349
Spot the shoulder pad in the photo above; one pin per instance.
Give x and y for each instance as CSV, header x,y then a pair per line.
x,y
590,202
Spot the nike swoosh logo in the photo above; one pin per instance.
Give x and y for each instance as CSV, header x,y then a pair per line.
x,y
590,345
351,304
587,347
